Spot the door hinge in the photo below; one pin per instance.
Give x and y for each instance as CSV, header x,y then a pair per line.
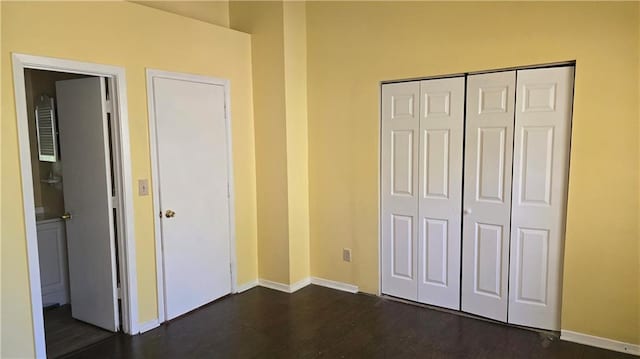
x,y
119,293
109,106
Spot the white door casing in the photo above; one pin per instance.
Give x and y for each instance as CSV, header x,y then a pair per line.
x,y
440,190
400,124
540,175
193,181
487,193
84,146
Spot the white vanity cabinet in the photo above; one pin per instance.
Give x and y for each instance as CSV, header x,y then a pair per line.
x,y
52,253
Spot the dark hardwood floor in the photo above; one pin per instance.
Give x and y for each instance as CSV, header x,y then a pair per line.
x,y
317,322
63,334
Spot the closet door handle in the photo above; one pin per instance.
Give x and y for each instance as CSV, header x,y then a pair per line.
x,y
467,211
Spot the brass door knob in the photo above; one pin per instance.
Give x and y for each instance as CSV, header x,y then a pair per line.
x,y
169,213
66,216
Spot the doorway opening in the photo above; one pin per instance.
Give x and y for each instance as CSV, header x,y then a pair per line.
x,y
74,156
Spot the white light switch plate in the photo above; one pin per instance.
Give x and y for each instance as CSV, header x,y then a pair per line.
x,y
346,254
143,187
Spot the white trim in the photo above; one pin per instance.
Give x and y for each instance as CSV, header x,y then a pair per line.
x,y
29,209
155,176
335,285
291,288
246,286
145,327
126,240
274,285
600,342
126,245
299,285
380,190
287,288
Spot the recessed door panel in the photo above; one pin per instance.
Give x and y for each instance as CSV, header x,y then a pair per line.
x,y
440,186
488,260
436,103
400,133
402,163
436,169
541,162
531,266
402,246
536,162
492,99
490,170
487,193
435,241
403,106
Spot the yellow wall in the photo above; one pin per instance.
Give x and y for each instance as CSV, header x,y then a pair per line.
x,y
279,88
264,21
214,12
134,37
295,76
354,46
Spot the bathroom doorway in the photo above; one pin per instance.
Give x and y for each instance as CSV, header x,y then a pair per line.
x,y
77,202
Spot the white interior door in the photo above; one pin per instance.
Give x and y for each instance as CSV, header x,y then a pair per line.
x,y
540,174
440,191
191,132
86,174
400,124
487,193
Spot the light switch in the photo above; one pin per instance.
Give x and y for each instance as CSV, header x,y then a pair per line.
x,y
143,187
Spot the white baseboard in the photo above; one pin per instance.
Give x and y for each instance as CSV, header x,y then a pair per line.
x,y
246,286
287,288
145,327
600,342
291,288
299,284
334,285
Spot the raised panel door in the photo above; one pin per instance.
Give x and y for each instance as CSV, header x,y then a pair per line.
x,y
487,193
440,191
540,173
399,177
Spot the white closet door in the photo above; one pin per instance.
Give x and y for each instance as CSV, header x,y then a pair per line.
x,y
399,189
540,171
191,135
487,193
440,191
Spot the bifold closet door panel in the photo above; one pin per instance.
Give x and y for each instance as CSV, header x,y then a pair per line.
x,y
400,126
487,193
540,176
440,191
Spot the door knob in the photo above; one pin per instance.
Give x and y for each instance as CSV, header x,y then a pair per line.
x,y
467,211
66,216
169,213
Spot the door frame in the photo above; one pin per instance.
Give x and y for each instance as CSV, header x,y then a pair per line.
x,y
122,176
155,177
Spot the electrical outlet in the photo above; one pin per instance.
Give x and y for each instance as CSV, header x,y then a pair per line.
x,y
346,254
143,187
